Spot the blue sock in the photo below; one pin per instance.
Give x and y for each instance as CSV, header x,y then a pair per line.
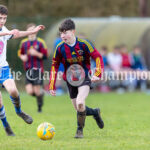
x,y
3,117
17,104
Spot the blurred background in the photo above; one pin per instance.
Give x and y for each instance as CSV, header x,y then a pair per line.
x,y
120,30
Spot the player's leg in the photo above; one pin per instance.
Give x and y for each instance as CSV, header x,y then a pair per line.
x,y
39,96
93,112
6,125
73,92
83,92
79,132
37,84
29,89
29,83
11,88
89,111
74,103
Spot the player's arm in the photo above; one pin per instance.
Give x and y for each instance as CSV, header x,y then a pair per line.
x,y
98,59
18,33
53,73
99,65
44,50
21,53
34,52
42,53
7,32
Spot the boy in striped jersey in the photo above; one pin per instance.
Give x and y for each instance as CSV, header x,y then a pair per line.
x,y
32,52
75,55
6,78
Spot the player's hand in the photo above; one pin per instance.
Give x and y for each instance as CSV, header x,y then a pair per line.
x,y
53,92
39,27
14,32
24,58
32,52
95,78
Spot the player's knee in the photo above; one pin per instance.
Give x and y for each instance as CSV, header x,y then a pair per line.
x,y
13,92
30,93
37,93
80,107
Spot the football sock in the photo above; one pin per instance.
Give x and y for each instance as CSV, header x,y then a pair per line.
x,y
17,104
81,119
3,117
90,111
40,101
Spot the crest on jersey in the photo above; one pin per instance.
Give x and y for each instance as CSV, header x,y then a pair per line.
x,y
80,52
1,47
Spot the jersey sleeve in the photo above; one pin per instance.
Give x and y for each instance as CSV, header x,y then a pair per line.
x,y
54,68
97,57
43,49
7,37
21,49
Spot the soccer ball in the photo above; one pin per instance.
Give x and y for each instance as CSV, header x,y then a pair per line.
x,y
45,131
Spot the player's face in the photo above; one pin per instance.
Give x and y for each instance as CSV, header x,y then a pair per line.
x,y
3,19
67,36
32,36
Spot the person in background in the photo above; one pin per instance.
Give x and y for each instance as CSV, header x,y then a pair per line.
x,y
103,86
115,64
32,52
126,57
126,83
138,64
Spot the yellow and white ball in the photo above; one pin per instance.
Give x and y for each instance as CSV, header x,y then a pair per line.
x,y
45,131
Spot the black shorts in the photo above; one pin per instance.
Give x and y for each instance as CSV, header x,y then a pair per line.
x,y
34,77
73,90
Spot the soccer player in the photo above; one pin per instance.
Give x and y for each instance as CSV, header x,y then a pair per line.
x,y
32,52
6,78
75,55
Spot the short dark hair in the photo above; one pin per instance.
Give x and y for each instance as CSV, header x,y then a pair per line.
x,y
3,10
67,24
31,25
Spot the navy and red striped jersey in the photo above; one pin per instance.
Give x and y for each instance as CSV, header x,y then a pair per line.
x,y
80,54
33,61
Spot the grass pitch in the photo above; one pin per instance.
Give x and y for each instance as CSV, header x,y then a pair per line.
x,y
126,117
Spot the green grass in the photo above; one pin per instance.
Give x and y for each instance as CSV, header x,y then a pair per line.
x,y
126,117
